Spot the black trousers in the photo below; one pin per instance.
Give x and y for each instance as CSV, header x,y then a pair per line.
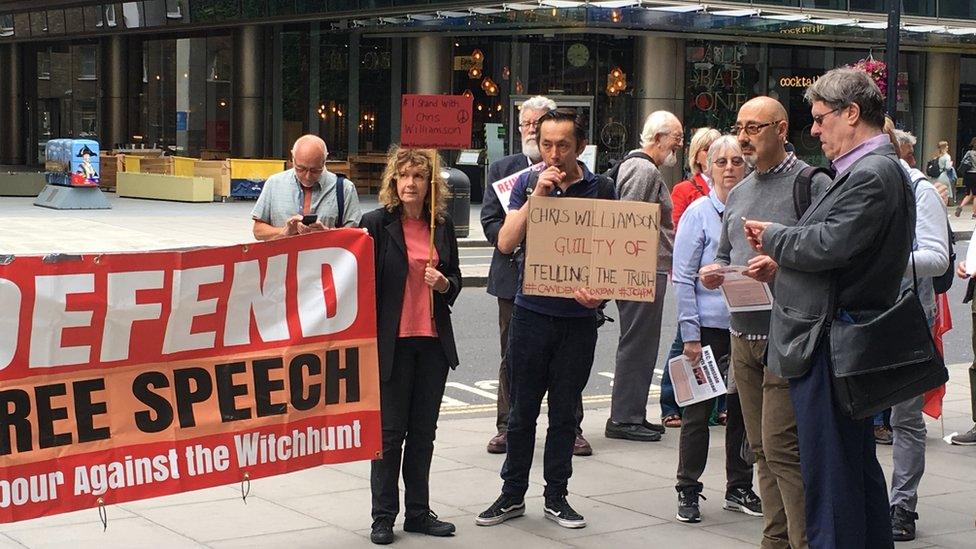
x,y
411,403
693,445
505,307
554,354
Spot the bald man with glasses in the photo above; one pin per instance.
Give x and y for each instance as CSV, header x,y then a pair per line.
x,y
762,128
308,189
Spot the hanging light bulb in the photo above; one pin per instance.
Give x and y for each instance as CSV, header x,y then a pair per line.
x,y
474,73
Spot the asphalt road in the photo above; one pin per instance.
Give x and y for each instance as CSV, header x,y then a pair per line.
x,y
472,387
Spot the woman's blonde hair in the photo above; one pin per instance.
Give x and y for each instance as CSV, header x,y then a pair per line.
x,y
430,164
702,139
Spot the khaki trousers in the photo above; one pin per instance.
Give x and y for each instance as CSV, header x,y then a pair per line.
x,y
771,430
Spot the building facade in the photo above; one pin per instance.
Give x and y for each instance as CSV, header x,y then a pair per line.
x,y
245,78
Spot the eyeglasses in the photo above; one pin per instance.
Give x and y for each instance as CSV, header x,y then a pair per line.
x,y
751,128
677,136
819,118
736,161
311,171
528,124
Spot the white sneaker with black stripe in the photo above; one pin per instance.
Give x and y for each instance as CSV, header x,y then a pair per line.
x,y
504,508
558,510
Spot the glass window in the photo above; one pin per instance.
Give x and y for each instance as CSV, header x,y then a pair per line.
x,y
132,15
154,12
67,102
295,74
375,72
957,8
213,10
6,25
44,65
332,102
719,78
87,66
174,9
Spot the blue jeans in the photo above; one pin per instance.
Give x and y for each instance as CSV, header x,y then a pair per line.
x,y
668,405
545,353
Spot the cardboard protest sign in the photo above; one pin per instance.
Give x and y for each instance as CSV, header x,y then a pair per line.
x,y
128,376
608,246
503,187
436,121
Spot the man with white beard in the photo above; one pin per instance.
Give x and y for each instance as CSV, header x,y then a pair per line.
x,y
638,178
504,273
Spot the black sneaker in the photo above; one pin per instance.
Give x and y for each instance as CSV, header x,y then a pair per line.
x,y
631,431
382,533
902,523
504,508
688,505
966,439
428,524
558,510
743,500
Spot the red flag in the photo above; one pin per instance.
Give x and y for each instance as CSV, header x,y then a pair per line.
x,y
943,323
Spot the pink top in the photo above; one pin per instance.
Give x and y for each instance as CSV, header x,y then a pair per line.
x,y
415,318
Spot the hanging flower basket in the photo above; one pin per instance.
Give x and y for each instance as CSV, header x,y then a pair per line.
x,y
877,70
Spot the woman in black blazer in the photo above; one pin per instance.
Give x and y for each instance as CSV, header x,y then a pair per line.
x,y
415,350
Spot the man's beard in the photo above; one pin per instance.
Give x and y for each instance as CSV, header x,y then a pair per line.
x,y
671,161
530,148
750,159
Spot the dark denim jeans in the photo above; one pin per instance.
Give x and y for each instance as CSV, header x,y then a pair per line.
x,y
545,353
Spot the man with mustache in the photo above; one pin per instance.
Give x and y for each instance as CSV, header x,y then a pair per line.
x,y
639,179
762,128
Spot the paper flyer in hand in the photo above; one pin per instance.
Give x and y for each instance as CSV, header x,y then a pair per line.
x,y
696,382
742,293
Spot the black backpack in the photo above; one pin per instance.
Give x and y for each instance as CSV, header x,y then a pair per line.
x,y
614,170
932,168
802,185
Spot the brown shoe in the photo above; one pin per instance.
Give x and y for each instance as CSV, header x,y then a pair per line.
x,y
498,443
582,447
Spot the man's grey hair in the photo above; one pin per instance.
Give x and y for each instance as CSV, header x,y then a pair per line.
x,y
845,86
538,103
657,123
905,138
719,146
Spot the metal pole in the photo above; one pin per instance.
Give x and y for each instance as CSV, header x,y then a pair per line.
x,y
891,56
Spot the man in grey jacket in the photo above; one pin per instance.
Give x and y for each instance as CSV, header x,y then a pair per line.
x,y
639,179
767,409
843,260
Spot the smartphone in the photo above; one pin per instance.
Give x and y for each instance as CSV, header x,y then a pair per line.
x,y
309,219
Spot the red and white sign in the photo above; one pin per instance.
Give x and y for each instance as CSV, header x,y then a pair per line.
x,y
503,187
436,121
128,376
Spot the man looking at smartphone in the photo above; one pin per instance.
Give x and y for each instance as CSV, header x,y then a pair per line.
x,y
305,198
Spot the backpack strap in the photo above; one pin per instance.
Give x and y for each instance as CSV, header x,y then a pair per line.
x,y
340,200
615,170
802,185
606,189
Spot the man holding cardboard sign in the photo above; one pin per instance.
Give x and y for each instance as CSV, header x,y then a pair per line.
x,y
551,339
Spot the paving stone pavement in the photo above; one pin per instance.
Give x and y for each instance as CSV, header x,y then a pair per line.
x,y
625,489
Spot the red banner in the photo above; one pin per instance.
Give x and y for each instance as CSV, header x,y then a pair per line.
x,y
436,121
128,376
